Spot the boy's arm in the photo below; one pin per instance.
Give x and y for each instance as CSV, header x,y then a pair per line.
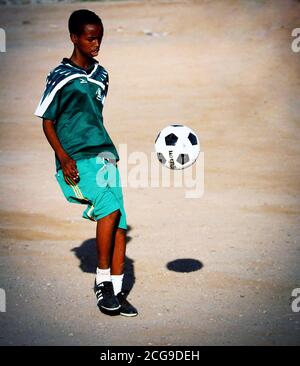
x,y
68,165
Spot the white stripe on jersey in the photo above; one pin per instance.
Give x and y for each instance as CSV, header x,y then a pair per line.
x,y
96,82
94,69
44,104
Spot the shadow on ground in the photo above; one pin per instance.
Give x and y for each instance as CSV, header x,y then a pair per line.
x,y
87,255
184,265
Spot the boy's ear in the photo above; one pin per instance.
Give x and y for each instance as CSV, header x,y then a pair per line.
x,y
73,38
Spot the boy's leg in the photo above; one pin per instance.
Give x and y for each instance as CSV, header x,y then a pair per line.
x,y
117,272
106,227
105,234
118,258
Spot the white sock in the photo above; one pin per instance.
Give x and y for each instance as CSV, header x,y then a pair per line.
x,y
103,275
117,281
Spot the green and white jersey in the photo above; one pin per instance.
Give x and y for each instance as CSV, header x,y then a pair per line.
x,y
73,99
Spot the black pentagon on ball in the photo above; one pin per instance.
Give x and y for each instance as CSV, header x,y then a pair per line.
x,y
161,158
193,139
171,139
183,159
176,125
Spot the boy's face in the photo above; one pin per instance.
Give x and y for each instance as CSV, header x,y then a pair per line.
x,y
89,41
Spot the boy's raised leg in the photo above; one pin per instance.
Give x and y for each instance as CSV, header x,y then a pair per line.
x,y
106,228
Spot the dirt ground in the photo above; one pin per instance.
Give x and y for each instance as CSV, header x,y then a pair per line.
x,y
213,270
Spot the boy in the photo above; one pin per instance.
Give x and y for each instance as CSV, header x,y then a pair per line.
x,y
86,158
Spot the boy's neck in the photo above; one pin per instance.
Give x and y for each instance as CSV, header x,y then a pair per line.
x,y
81,60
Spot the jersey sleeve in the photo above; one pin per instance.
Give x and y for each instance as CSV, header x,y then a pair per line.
x,y
49,105
106,85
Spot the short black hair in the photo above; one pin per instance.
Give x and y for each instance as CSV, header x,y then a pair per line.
x,y
79,18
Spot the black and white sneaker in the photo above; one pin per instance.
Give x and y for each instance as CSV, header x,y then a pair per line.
x,y
126,308
106,298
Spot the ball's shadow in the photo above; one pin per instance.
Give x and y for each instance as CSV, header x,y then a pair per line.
x,y
184,265
87,254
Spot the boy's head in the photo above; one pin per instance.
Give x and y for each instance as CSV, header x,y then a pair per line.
x,y
86,32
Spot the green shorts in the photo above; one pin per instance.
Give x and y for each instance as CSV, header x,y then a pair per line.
x,y
99,187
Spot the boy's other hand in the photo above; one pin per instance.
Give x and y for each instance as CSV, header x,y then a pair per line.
x,y
69,169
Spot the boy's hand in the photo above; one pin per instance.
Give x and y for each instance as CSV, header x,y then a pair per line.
x,y
69,169
68,165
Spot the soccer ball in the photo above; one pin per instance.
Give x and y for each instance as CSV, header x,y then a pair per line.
x,y
177,146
